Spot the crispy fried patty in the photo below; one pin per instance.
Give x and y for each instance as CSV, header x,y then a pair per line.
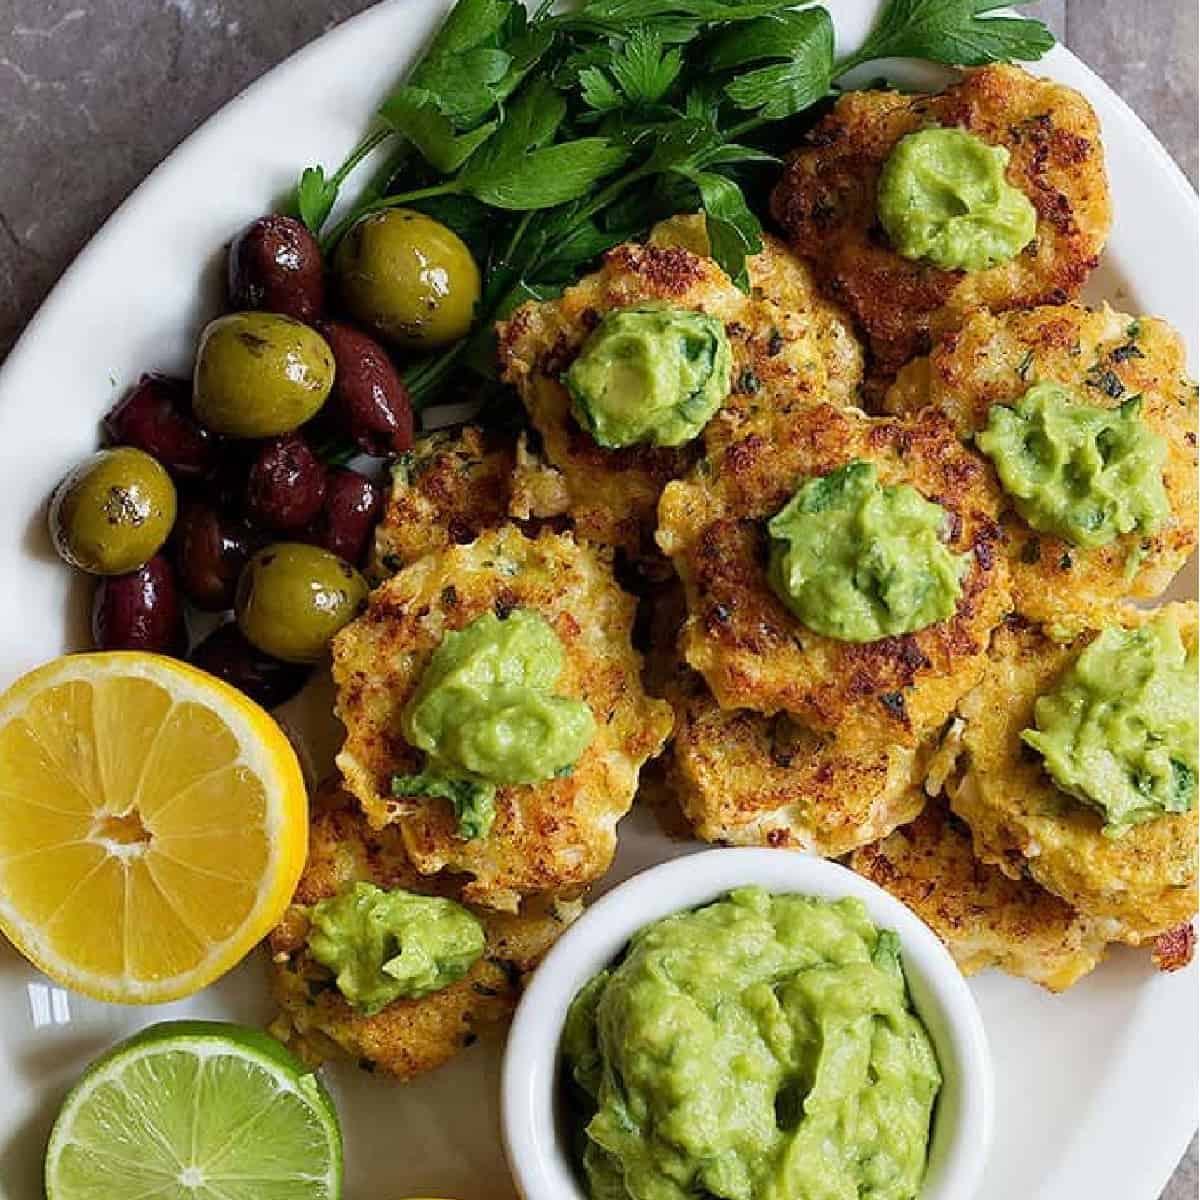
x,y
826,204
794,351
746,779
783,279
1144,882
985,918
455,484
754,653
555,836
1104,357
408,1037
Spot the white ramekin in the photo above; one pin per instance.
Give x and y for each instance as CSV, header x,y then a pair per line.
x,y
533,1138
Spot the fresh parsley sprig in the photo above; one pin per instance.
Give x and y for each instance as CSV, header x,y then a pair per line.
x,y
957,33
545,140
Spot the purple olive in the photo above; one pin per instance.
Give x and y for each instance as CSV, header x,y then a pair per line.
x,y
226,654
275,265
139,611
351,508
369,402
157,417
225,488
210,550
286,485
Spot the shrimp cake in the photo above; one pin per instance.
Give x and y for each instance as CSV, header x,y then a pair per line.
x,y
778,359
1142,883
1104,357
744,779
555,836
749,780
785,280
409,1036
826,205
985,918
452,486
754,653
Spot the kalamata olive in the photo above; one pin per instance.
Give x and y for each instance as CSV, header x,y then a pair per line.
x,y
139,611
351,508
113,512
210,550
275,265
259,374
292,598
286,484
156,417
408,278
226,654
369,402
225,487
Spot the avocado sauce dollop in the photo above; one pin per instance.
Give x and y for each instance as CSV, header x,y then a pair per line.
x,y
943,199
858,561
1119,733
651,373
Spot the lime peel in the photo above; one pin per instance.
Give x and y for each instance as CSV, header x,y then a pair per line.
x,y
123,1122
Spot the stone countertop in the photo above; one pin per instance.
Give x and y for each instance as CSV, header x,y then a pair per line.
x,y
95,92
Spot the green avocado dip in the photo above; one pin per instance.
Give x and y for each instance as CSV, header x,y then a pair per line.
x,y
1119,732
858,561
761,1048
943,199
650,374
384,946
485,714
1075,470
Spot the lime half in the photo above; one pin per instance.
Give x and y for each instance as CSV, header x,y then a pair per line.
x,y
196,1110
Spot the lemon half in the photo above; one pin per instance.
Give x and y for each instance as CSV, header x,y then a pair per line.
x,y
153,824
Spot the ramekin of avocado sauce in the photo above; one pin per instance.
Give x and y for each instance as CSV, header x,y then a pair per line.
x,y
763,1047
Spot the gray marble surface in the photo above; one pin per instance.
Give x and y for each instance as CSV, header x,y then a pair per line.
x,y
93,93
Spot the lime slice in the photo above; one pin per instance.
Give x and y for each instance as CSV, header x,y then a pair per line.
x,y
196,1110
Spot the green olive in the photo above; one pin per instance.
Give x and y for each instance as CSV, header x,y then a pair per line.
x,y
259,374
407,277
113,512
292,598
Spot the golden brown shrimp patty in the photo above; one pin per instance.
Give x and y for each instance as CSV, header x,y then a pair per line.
x,y
452,486
1142,883
754,653
985,918
555,836
782,354
782,279
750,780
1104,357
826,204
408,1037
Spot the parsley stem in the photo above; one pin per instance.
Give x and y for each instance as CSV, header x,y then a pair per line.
x,y
395,199
359,153
384,202
608,195
518,234
746,126
426,378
